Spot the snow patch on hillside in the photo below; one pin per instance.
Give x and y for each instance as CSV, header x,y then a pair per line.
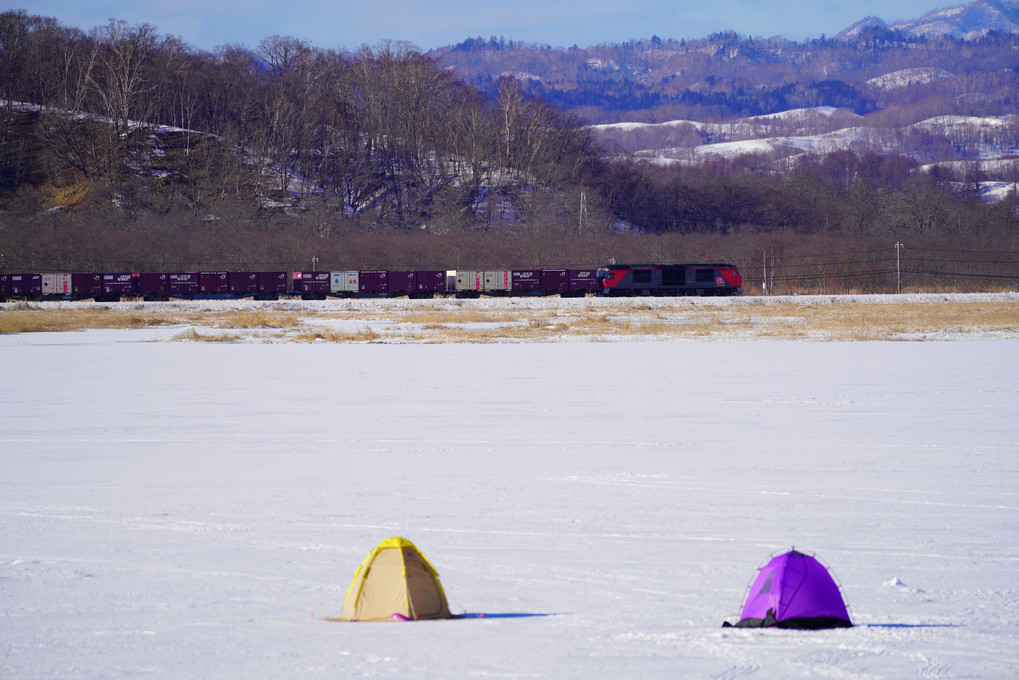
x,y
908,77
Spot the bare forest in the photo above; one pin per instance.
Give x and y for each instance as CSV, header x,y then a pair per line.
x,y
125,149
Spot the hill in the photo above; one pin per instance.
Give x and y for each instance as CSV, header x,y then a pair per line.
x,y
965,22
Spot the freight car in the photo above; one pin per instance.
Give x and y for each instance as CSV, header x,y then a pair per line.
x,y
473,283
612,280
669,279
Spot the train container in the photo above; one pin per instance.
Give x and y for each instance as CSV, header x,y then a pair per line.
x,y
86,285
469,282
311,285
473,282
344,284
153,285
56,284
5,287
242,283
554,281
373,282
498,281
416,284
580,282
184,284
526,281
271,285
116,286
429,282
402,282
213,283
26,285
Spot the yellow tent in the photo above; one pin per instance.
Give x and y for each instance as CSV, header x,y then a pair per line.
x,y
395,582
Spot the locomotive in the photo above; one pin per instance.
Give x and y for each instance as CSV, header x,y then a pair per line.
x,y
670,279
610,280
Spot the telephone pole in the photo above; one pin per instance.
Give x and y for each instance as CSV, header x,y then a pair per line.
x,y
583,212
898,276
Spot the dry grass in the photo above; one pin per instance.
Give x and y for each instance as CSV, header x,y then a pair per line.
x,y
243,318
444,321
360,335
27,318
192,335
448,317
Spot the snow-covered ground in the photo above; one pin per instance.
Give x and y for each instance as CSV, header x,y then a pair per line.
x,y
194,510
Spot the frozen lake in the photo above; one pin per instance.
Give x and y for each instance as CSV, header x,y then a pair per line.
x,y
193,510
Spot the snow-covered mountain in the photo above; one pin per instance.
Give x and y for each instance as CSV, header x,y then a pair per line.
x,y
967,22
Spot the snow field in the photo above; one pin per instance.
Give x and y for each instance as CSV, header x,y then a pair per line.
x,y
192,510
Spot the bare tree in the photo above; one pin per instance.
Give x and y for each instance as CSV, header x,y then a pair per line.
x,y
121,78
286,103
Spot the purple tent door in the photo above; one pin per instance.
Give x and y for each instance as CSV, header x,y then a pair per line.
x,y
794,590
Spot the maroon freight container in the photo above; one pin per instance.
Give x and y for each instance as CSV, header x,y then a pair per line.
x,y
526,280
430,281
582,280
373,282
272,282
153,284
554,281
26,284
118,284
213,283
242,283
5,285
311,282
86,285
184,283
398,282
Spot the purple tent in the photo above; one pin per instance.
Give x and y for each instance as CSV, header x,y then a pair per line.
x,y
794,590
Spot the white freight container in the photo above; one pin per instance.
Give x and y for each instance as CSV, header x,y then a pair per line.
x,y
469,279
56,284
344,282
499,280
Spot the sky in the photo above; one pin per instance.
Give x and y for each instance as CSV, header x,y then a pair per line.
x,y
206,24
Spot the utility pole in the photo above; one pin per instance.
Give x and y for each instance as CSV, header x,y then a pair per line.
x,y
898,277
583,212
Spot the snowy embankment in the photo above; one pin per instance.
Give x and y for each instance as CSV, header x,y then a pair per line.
x,y
192,510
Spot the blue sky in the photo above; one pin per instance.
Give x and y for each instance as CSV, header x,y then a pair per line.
x,y
206,24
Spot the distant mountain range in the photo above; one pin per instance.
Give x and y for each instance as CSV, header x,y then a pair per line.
x,y
941,90
966,22
864,68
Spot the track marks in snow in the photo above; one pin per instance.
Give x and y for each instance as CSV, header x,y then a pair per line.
x,y
934,668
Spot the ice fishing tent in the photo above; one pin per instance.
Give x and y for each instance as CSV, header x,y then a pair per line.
x,y
794,590
395,582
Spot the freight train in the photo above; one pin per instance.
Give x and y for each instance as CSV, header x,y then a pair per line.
x,y
610,280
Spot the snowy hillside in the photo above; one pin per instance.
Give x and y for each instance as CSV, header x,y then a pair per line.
x,y
990,142
966,22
